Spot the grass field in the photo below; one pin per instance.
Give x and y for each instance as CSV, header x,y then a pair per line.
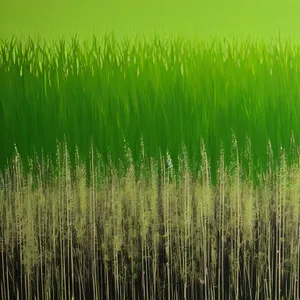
x,y
149,169
170,93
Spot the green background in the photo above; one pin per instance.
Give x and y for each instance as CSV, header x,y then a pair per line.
x,y
56,18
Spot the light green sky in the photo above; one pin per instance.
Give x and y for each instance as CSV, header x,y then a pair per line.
x,y
54,18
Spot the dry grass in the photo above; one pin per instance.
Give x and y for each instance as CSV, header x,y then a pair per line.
x,y
151,237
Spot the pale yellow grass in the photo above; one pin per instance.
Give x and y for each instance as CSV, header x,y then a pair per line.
x,y
150,237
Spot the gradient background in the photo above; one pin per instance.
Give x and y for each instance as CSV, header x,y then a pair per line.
x,y
56,18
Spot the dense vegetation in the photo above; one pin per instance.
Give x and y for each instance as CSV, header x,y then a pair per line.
x,y
149,169
170,93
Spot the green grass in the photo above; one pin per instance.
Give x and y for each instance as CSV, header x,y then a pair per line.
x,y
167,92
161,169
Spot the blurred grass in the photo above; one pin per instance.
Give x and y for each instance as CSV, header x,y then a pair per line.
x,y
186,18
169,93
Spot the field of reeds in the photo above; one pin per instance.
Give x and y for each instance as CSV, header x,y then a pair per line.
x,y
149,169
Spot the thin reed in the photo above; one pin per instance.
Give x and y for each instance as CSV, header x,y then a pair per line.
x,y
157,236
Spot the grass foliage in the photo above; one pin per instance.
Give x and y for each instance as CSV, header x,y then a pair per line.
x,y
162,169
149,238
169,92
